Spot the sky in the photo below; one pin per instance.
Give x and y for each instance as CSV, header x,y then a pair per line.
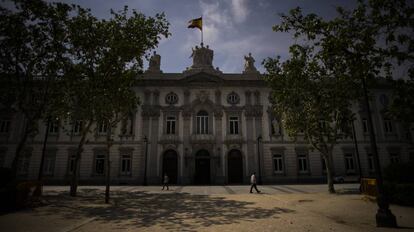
x,y
232,28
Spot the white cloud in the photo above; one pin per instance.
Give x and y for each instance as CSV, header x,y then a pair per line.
x,y
239,10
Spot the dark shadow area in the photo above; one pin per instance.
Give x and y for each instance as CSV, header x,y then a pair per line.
x,y
348,191
405,228
172,211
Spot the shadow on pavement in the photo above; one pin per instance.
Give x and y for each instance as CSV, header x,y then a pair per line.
x,y
172,211
348,191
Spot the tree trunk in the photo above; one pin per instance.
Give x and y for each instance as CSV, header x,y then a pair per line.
x,y
329,172
75,174
108,164
19,149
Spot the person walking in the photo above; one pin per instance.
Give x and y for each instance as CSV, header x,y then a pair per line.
x,y
166,180
253,182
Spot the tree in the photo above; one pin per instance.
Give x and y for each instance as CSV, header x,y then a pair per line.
x,y
312,99
107,57
366,43
32,54
402,104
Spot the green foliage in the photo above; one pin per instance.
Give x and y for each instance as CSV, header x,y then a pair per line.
x,y
400,173
32,59
402,194
399,183
314,89
107,57
32,54
402,106
311,98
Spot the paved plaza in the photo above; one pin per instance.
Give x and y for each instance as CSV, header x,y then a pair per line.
x,y
204,208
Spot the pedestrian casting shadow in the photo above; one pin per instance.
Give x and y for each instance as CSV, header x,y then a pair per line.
x,y
172,211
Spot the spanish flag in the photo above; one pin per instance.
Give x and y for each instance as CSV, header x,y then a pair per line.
x,y
196,23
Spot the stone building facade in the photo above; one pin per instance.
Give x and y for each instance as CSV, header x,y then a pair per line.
x,y
203,126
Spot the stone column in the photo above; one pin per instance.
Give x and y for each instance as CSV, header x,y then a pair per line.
x,y
152,170
186,114
218,117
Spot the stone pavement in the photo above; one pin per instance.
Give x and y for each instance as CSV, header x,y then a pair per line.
x,y
204,208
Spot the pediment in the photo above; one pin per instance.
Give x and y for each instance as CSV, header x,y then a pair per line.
x,y
202,77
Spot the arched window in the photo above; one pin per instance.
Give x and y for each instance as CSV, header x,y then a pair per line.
x,y
202,122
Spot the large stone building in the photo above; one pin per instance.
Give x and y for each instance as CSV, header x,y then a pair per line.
x,y
203,126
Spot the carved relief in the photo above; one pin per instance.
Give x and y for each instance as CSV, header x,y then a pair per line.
x,y
202,96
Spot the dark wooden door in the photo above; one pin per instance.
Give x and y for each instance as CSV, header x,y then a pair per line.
x,y
235,167
170,165
202,168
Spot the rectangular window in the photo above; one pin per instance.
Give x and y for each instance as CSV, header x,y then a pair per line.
x,y
202,124
371,166
387,126
4,126
2,157
102,128
126,165
275,126
234,125
394,158
127,126
99,164
49,163
278,163
53,127
323,166
302,164
71,163
171,125
322,125
365,127
23,163
349,163
77,127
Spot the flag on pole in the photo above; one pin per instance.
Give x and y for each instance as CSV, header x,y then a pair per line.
x,y
196,23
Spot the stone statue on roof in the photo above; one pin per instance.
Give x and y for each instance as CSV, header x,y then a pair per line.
x,y
249,64
154,63
202,57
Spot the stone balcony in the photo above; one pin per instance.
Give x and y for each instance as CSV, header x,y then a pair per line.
x,y
233,139
202,138
169,139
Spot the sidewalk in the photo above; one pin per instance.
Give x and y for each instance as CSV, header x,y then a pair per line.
x,y
139,210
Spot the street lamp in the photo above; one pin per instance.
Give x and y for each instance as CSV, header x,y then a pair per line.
x,y
384,216
258,157
145,162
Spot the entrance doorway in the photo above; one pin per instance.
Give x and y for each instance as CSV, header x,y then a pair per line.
x,y
202,167
170,165
235,167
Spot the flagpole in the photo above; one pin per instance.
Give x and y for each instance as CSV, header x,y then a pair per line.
x,y
201,29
